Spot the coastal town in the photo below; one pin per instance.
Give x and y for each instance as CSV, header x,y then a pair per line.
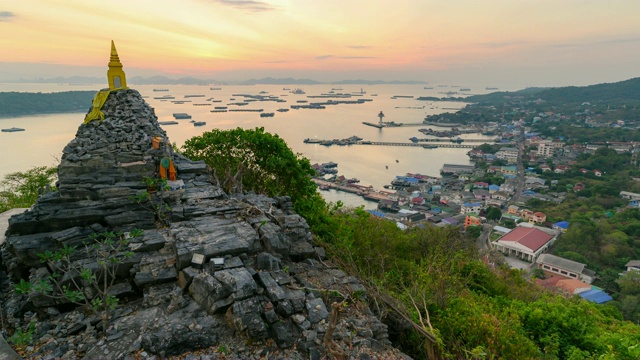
x,y
503,196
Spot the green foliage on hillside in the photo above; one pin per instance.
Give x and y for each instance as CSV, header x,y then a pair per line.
x,y
622,91
627,90
582,135
254,160
472,309
21,103
21,189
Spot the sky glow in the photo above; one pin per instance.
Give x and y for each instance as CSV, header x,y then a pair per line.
x,y
532,42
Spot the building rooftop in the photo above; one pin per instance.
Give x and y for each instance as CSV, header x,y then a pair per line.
x,y
563,263
573,286
633,263
530,238
596,295
562,224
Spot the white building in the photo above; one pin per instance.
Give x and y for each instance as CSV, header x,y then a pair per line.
x,y
545,149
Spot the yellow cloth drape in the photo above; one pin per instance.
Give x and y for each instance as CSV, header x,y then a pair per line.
x,y
170,169
96,110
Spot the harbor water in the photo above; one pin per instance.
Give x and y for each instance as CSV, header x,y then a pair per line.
x,y
45,136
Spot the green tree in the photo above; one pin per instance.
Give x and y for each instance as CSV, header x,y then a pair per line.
x,y
493,213
474,231
255,160
21,189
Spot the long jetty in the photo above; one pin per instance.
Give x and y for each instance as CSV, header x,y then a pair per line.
x,y
461,140
390,124
383,143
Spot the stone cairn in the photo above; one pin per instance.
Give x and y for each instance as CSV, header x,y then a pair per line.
x,y
228,271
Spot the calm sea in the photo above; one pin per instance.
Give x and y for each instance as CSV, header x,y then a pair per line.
x,y
47,135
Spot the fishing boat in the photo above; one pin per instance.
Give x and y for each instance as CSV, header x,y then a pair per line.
x,y
13,129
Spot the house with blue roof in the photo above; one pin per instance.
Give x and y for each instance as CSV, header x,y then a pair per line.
x,y
470,207
561,225
596,295
378,214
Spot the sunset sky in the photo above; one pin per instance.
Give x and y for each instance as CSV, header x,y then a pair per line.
x,y
525,42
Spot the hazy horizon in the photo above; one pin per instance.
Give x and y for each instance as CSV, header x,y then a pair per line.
x,y
494,42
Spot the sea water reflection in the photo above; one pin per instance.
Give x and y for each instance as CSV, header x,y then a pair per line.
x,y
46,135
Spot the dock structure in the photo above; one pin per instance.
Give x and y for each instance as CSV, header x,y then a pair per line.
x,y
354,189
383,124
367,192
450,144
379,126
457,140
382,143
457,169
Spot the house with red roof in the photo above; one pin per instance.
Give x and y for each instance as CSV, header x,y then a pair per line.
x,y
525,242
597,172
538,217
561,169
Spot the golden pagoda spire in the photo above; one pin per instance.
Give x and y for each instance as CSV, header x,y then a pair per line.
x,y
117,78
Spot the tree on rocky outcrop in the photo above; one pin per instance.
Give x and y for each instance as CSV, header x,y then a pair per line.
x,y
261,161
255,160
21,189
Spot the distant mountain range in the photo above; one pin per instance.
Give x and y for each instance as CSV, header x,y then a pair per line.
x,y
163,80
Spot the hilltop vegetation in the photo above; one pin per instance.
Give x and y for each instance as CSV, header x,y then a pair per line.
x,y
21,103
459,304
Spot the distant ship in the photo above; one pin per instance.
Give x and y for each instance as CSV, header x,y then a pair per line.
x,y
428,88
160,89
167,122
13,129
215,88
465,89
199,123
298,91
266,114
491,88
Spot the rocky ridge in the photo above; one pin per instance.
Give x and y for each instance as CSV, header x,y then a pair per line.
x,y
230,275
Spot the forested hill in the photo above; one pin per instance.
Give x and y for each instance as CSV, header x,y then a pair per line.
x,y
627,90
21,103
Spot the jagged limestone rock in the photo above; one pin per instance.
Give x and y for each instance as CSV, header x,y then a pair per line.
x,y
247,299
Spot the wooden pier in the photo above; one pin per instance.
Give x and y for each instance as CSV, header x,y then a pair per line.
x,y
453,146
460,140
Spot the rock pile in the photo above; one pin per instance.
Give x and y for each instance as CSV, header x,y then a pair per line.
x,y
237,274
